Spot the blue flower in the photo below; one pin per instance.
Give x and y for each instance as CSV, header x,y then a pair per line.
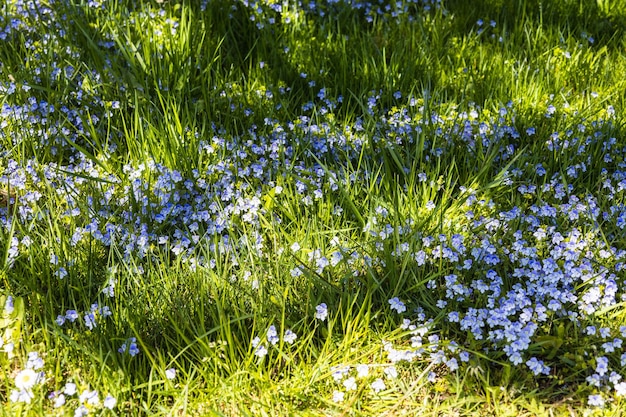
x,y
272,335
397,305
321,312
537,366
596,400
129,346
289,336
602,365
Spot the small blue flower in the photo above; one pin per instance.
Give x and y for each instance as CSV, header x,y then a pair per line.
x,y
397,305
602,365
129,346
109,402
90,320
321,312
596,400
272,335
289,336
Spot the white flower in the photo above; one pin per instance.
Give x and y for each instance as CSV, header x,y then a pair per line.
x,y
170,373
620,389
91,397
21,396
260,351
378,385
362,370
59,401
338,396
70,388
391,372
350,384
109,402
26,379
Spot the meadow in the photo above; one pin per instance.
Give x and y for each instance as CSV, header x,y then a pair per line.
x,y
317,208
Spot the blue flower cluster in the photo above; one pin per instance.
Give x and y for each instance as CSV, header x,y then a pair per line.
x,y
267,13
528,252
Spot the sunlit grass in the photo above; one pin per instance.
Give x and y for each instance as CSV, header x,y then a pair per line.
x,y
239,208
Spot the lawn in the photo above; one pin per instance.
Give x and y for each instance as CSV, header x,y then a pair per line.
x,y
324,208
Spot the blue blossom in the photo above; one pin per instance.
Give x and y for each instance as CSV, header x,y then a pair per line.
x,y
614,378
89,398
90,320
350,384
71,315
109,402
289,336
596,400
397,305
58,399
272,335
21,396
69,388
321,312
452,364
339,372
129,346
61,273
602,365
34,362
537,366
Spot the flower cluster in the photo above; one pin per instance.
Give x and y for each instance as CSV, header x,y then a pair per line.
x,y
130,347
85,403
266,13
528,248
272,338
91,317
510,271
28,378
351,378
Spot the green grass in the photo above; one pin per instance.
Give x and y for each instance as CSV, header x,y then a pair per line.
x,y
145,91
